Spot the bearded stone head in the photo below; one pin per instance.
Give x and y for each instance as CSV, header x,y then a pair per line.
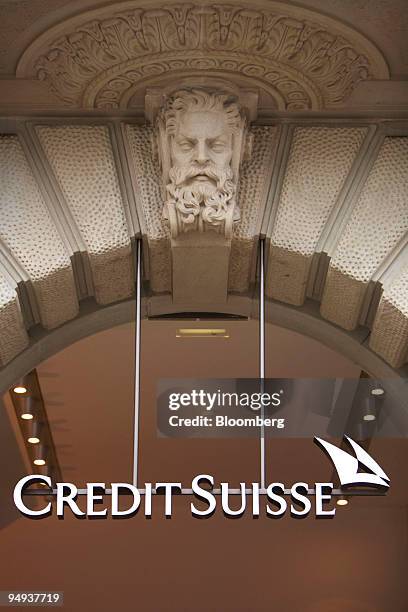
x,y
200,141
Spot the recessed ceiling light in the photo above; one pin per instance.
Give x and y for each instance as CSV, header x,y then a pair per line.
x,y
369,417
20,390
34,432
377,391
40,454
27,407
342,501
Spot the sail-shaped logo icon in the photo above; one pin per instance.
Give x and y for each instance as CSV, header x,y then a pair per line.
x,y
347,466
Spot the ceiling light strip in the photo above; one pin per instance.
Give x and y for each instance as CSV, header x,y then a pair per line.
x,y
201,332
32,420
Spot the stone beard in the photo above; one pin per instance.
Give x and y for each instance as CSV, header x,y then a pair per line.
x,y
199,131
194,197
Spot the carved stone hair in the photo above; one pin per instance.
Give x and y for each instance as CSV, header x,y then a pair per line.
x,y
200,100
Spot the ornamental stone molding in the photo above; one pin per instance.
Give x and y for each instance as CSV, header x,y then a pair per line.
x,y
298,59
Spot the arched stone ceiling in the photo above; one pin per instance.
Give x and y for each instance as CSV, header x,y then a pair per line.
x,y
328,194
331,201
300,59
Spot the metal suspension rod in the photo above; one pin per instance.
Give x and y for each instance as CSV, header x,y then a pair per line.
x,y
262,356
137,362
286,491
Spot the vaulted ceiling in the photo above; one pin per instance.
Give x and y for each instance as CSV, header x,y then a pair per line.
x,y
326,184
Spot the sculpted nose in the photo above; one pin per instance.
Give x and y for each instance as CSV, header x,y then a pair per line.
x,y
201,153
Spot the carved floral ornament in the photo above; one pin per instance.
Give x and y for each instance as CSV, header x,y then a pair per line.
x,y
302,59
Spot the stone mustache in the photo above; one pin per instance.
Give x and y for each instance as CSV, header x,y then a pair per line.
x,y
200,139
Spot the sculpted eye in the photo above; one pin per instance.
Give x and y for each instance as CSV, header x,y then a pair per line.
x,y
218,146
185,145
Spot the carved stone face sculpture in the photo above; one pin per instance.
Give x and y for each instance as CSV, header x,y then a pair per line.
x,y
200,136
